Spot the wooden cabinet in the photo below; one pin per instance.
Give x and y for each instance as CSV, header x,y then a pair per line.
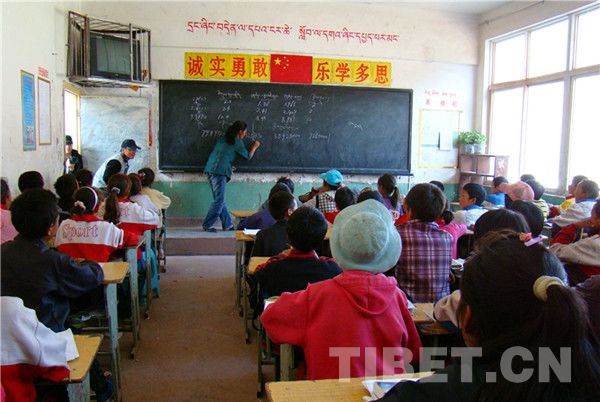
x,y
481,168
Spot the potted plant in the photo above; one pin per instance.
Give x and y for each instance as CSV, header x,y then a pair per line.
x,y
473,142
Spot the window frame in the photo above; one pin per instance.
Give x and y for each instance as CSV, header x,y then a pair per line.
x,y
568,77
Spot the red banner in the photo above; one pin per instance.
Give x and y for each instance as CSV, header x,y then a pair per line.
x,y
291,69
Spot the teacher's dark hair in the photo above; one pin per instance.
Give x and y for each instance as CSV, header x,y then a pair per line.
x,y
232,131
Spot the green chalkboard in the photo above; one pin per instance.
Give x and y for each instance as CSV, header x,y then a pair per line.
x,y
302,128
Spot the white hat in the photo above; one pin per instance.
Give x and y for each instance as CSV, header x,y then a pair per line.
x,y
364,238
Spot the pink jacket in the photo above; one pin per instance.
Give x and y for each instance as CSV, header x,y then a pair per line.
x,y
357,317
456,230
8,230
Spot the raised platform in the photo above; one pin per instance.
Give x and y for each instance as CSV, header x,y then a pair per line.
x,y
186,237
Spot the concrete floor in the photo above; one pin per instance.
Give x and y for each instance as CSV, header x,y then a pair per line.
x,y
192,346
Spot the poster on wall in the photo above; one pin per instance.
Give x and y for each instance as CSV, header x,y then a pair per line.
x,y
28,110
44,127
438,130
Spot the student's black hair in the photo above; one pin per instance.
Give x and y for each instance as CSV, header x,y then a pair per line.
x,y
447,215
233,130
65,187
136,184
344,197
306,228
147,176
388,184
589,187
279,203
527,177
118,186
497,286
4,191
538,189
438,184
89,197
369,195
532,214
499,180
277,188
498,219
577,179
33,212
476,191
288,182
84,177
29,180
426,202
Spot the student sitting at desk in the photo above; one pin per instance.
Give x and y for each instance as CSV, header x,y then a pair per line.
x,y
499,313
497,197
446,309
263,219
294,269
323,198
538,201
30,179
273,240
516,191
160,200
344,197
65,187
86,236
423,269
532,214
8,231
357,309
30,351
46,280
124,213
392,197
471,197
569,199
135,195
585,194
578,245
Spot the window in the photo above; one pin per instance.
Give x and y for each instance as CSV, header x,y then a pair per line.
x,y
543,99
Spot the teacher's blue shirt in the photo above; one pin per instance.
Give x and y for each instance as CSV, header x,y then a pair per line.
x,y
223,155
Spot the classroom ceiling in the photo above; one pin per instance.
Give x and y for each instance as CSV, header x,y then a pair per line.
x,y
474,7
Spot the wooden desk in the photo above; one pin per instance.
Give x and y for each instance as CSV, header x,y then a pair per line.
x,y
114,273
324,390
241,299
78,383
423,313
239,214
255,262
131,257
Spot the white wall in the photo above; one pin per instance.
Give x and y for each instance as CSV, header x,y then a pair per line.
x,y
33,35
435,51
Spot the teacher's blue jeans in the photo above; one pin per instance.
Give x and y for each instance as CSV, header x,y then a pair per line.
x,y
217,209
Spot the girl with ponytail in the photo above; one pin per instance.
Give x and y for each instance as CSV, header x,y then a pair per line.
x,y
392,198
124,213
515,298
86,236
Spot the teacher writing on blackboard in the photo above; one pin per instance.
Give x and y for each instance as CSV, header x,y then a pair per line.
x,y
218,170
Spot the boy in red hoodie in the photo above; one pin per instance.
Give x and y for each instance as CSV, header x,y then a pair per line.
x,y
356,324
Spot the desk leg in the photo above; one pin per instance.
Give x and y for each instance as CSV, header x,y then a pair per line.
x,y
239,258
148,247
286,361
135,301
113,334
79,392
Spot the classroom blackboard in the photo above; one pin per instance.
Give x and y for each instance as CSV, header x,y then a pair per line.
x,y
302,128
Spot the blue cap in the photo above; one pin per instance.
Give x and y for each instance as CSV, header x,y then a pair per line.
x,y
332,177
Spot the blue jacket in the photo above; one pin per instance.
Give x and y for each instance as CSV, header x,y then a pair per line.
x,y
45,279
223,155
496,199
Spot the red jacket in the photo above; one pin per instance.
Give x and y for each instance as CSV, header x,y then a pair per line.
x,y
135,218
91,238
357,310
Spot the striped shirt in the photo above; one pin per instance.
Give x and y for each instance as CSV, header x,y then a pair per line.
x,y
423,270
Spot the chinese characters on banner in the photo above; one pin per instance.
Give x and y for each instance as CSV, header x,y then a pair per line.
x,y
282,68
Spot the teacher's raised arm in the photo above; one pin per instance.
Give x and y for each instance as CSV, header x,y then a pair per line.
x,y
219,172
